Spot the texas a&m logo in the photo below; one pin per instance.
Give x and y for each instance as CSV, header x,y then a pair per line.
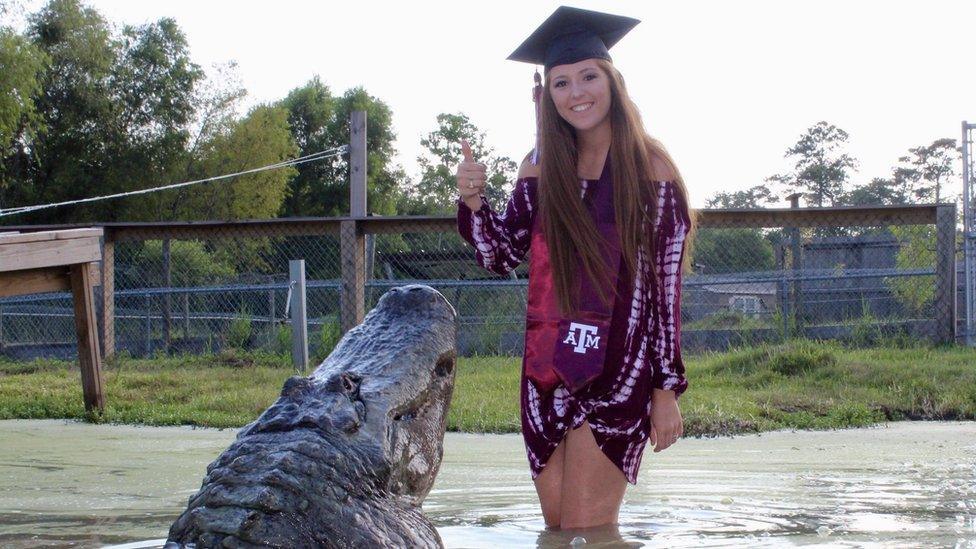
x,y
583,336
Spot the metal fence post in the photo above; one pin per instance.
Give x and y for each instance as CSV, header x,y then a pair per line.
x,y
186,316
968,233
796,265
299,321
148,324
945,273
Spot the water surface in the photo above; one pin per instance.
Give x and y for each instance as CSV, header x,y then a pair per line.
x,y
901,484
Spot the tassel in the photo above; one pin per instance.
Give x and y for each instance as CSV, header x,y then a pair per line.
x,y
537,98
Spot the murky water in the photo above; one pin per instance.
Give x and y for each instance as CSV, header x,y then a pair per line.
x,y
905,484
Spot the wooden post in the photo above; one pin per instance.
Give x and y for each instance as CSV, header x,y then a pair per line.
x,y
945,273
352,243
108,295
89,357
353,298
299,321
357,164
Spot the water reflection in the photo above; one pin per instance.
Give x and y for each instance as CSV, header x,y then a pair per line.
x,y
905,484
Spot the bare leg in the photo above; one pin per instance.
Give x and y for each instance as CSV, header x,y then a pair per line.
x,y
592,486
549,486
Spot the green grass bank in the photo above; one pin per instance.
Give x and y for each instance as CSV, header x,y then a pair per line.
x,y
797,384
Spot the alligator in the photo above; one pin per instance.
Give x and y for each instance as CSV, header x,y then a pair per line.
x,y
345,456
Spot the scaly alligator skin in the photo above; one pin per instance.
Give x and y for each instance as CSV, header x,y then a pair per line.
x,y
344,457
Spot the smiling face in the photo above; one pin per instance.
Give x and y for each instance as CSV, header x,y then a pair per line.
x,y
581,94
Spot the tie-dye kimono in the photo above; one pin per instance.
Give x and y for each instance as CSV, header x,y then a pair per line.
x,y
644,340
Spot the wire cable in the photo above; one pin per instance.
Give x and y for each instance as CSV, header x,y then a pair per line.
x,y
321,155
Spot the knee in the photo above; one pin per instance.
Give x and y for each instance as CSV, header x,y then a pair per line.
x,y
553,519
593,518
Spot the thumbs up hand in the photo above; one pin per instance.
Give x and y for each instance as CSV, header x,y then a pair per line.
x,y
471,177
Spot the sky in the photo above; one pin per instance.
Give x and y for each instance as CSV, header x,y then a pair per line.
x,y
728,87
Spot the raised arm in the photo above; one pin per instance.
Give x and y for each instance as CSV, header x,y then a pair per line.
x,y
501,241
672,228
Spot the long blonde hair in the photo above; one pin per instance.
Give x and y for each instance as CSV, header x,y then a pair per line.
x,y
567,224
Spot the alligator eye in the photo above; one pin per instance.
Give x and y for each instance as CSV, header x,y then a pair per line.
x,y
445,365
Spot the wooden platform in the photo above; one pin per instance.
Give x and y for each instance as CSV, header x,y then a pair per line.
x,y
54,261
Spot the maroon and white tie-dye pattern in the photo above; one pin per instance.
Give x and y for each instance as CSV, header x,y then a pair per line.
x,y
645,350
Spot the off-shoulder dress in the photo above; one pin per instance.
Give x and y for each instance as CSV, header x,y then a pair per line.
x,y
643,348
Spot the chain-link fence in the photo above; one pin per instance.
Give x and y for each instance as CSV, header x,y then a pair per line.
x,y
858,274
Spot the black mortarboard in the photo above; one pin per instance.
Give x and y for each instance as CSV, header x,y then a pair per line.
x,y
572,34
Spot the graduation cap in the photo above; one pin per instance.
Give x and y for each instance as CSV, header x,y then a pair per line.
x,y
567,36
572,34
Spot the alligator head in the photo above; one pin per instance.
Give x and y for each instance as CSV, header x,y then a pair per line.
x,y
345,456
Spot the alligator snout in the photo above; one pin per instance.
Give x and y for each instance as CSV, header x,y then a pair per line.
x,y
344,457
333,406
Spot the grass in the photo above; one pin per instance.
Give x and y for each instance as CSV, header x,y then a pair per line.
x,y
797,384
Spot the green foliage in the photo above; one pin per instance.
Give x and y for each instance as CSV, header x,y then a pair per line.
x,y
193,265
328,336
821,166
311,110
926,169
733,250
917,250
282,340
128,109
866,329
791,358
878,192
239,332
382,177
436,191
261,138
753,197
742,390
115,109
21,66
319,121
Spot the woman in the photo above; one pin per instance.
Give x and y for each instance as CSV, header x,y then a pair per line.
x,y
602,370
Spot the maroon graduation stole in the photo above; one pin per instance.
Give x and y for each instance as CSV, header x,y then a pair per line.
x,y
571,349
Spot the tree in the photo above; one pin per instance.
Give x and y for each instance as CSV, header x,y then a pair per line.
x,y
821,168
116,113
320,121
436,191
21,68
261,138
917,250
753,197
74,104
879,191
926,168
733,250
311,109
155,85
382,176
216,103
